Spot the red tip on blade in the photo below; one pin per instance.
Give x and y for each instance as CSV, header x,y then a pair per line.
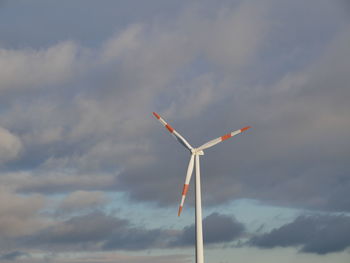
x,y
226,136
156,115
180,209
171,129
245,128
185,189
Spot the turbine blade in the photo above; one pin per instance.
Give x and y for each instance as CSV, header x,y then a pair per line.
x,y
222,138
177,136
187,183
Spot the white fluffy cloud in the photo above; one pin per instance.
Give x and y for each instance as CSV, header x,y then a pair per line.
x,y
10,145
24,68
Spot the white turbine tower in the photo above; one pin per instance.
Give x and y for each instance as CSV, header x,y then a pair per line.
x,y
195,152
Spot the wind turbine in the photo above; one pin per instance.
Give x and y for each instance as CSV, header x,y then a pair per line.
x,y
195,153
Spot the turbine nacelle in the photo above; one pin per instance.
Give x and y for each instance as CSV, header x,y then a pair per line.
x,y
197,151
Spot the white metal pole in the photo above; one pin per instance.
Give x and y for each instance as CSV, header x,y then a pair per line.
x,y
199,229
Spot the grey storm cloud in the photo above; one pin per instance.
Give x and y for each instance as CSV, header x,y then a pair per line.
x,y
98,231
78,230
217,228
314,234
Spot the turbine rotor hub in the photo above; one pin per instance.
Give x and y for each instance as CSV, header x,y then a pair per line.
x,y
197,152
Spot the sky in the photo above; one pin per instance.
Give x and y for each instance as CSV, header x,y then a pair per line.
x,y
88,175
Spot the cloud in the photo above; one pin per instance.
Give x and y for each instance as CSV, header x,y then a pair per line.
x,y
96,257
314,234
35,68
97,231
114,257
91,129
82,200
122,43
142,259
10,145
78,232
233,37
46,182
19,214
11,256
86,110
217,228
136,239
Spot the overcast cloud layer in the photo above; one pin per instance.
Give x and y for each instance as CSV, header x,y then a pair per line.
x,y
77,92
315,234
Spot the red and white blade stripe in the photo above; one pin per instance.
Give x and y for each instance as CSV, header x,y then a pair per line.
x,y
187,183
184,192
222,138
181,139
